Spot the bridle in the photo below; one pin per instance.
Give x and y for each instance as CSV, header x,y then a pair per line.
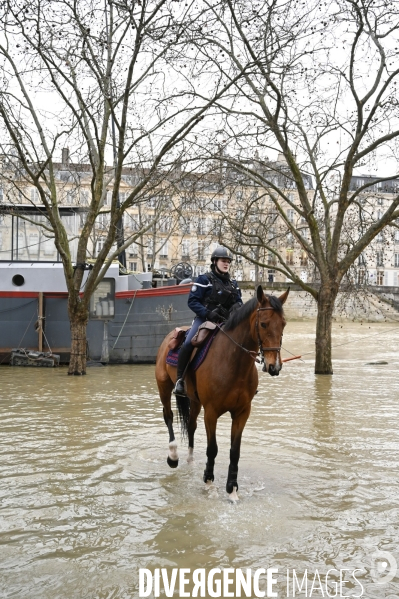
x,y
261,348
251,353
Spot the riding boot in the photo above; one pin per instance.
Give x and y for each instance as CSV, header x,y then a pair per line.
x,y
183,360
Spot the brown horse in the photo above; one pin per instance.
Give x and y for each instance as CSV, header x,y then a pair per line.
x,y
226,381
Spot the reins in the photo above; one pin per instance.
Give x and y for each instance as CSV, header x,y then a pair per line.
x,y
248,351
261,348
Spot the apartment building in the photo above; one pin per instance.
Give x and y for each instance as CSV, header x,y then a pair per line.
x,y
179,219
182,218
379,263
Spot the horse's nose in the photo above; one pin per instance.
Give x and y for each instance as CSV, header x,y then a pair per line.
x,y
273,371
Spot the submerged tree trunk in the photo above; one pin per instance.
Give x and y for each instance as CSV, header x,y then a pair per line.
x,y
325,308
78,317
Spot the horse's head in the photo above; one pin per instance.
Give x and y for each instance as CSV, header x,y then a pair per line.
x,y
268,324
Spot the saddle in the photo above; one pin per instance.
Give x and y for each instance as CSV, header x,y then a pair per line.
x,y
205,335
204,330
177,338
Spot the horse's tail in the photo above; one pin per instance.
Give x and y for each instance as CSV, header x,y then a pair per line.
x,y
183,413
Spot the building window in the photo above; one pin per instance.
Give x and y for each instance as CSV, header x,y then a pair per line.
x,y
133,251
99,246
152,202
290,215
164,250
218,204
185,226
201,250
380,277
380,258
303,259
34,195
71,196
185,249
133,266
150,248
201,226
102,221
362,277
165,225
290,257
134,223
396,260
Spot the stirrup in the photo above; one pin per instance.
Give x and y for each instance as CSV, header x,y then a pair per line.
x,y
179,388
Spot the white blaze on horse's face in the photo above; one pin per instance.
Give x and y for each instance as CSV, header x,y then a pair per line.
x,y
272,338
270,326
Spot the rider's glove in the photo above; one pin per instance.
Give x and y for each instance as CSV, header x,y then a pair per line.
x,y
213,316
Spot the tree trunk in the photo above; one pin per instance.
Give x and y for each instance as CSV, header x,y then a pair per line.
x,y
325,308
78,317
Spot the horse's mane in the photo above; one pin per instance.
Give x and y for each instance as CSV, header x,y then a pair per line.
x,y
243,313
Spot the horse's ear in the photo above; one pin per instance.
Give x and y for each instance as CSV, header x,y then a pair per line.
x,y
283,297
259,294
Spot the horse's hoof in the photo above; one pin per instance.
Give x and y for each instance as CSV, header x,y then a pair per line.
x,y
233,497
172,463
173,454
230,486
208,477
190,457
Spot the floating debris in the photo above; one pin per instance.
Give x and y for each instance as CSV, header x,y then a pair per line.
x,y
379,363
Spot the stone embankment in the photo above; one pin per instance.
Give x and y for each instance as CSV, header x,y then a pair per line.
x,y
376,305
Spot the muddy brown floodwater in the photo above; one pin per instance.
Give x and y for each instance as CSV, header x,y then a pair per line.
x,y
87,497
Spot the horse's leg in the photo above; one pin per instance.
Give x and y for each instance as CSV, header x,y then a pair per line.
x,y
212,448
237,427
165,392
195,409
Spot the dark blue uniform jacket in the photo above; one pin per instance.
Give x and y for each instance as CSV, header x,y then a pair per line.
x,y
200,292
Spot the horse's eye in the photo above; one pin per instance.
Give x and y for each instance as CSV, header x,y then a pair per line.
x,y
263,325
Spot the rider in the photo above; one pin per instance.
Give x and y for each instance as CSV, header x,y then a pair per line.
x,y
212,297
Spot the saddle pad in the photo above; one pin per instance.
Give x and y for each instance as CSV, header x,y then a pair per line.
x,y
199,357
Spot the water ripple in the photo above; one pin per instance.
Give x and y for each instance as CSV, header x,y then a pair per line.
x,y
87,497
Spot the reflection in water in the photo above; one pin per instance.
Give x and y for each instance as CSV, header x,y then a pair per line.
x,y
87,497
323,409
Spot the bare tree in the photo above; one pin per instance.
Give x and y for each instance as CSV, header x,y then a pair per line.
x,y
112,84
318,84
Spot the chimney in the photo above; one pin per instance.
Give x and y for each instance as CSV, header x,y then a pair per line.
x,y
281,158
65,156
